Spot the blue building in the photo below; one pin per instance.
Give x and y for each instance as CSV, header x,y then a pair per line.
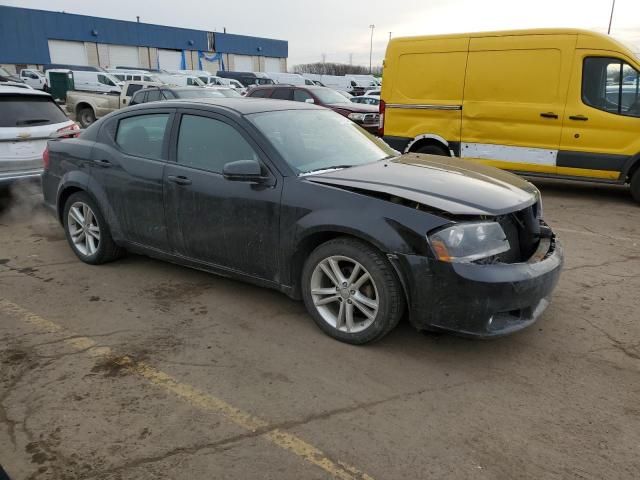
x,y
35,38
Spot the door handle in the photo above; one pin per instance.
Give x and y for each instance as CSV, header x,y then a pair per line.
x,y
180,180
581,118
549,115
103,163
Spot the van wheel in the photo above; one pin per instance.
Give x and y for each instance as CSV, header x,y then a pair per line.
x,y
432,150
635,186
86,117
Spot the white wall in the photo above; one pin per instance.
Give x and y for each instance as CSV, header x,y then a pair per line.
x,y
62,51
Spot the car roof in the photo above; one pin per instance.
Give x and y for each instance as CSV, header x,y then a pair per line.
x,y
241,106
21,91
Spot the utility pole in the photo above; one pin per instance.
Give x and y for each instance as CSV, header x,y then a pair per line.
x,y
351,59
390,35
613,6
371,46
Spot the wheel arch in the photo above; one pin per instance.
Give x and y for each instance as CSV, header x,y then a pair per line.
x,y
427,139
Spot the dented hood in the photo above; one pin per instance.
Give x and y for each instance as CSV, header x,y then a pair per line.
x,y
449,184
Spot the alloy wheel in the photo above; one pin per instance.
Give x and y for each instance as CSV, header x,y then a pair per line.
x,y
83,228
344,294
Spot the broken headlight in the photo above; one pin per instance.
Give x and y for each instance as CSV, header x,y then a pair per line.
x,y
468,242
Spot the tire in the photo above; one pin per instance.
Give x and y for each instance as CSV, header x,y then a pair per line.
x,y
635,186
88,248
328,305
86,117
432,150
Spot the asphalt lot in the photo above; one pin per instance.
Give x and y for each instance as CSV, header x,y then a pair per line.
x,y
144,370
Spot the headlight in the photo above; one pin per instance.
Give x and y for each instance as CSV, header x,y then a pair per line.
x,y
357,117
467,242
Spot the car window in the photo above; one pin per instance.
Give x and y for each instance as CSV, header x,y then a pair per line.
x,y
301,95
209,144
611,85
153,95
105,81
131,89
262,93
357,100
29,111
138,97
282,94
168,95
142,135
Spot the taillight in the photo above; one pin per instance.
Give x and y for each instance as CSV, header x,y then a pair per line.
x,y
45,157
73,130
381,125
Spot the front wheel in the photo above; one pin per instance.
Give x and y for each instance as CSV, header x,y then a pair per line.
x,y
351,291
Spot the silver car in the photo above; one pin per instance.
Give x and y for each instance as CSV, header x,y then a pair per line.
x,y
27,120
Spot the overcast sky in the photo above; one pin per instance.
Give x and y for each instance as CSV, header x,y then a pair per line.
x,y
339,29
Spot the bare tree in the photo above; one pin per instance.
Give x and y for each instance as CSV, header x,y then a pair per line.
x,y
321,68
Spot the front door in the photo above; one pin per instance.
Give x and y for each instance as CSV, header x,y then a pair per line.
x,y
601,129
128,169
230,224
514,100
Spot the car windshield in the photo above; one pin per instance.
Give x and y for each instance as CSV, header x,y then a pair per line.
x,y
228,92
3,72
199,93
315,140
328,96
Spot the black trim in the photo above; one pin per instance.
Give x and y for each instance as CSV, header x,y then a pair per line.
x,y
455,147
397,143
619,181
592,161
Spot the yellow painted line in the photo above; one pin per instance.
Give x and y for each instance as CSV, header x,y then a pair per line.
x,y
285,440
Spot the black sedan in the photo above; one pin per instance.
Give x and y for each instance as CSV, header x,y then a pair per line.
x,y
298,198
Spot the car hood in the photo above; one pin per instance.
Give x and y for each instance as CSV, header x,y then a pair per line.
x,y
456,186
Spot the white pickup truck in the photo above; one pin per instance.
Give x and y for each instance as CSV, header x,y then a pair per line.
x,y
87,107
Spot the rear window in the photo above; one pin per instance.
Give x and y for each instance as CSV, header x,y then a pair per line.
x,y
29,111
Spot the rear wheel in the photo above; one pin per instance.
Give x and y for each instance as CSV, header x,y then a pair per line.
x,y
635,186
432,150
87,231
351,291
86,116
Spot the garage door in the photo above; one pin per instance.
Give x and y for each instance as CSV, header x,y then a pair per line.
x,y
242,63
272,65
123,56
170,59
72,53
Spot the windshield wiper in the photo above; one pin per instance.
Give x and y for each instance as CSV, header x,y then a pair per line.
x,y
326,169
32,121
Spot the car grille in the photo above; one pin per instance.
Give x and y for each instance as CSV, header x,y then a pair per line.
x,y
522,229
371,118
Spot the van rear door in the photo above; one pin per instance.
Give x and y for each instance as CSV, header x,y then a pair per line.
x,y
601,129
514,100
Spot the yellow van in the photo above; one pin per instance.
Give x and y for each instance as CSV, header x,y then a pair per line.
x,y
557,103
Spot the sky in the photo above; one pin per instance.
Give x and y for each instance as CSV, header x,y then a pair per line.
x,y
338,30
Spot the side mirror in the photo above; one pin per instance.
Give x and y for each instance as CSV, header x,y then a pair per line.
x,y
243,171
309,100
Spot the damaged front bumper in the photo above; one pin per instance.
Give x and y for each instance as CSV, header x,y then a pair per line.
x,y
479,300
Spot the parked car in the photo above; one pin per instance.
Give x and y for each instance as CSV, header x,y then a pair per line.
x,y
207,78
86,107
297,198
364,115
247,79
132,75
28,118
34,78
347,83
289,78
366,100
157,93
373,93
180,80
537,102
365,80
232,83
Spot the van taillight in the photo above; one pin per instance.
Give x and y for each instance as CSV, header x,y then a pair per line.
x,y
45,157
381,125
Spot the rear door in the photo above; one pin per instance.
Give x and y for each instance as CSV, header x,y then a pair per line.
x,y
282,93
514,100
230,224
127,172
